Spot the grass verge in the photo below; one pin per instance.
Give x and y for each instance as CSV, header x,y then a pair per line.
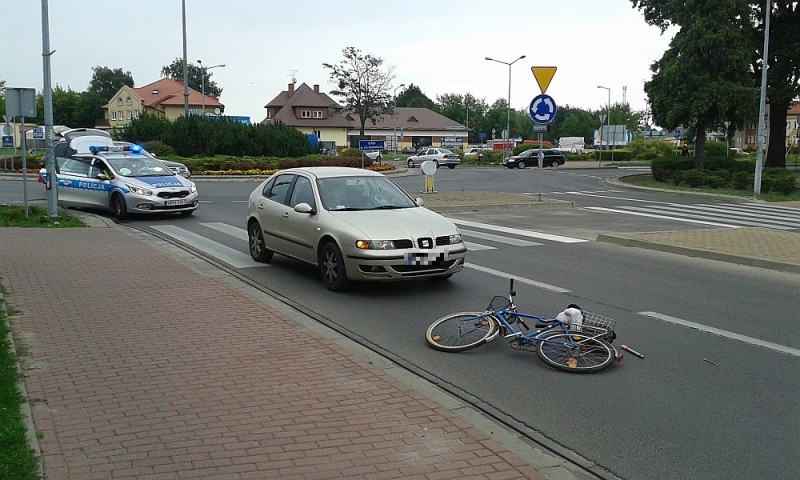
x,y
17,459
14,216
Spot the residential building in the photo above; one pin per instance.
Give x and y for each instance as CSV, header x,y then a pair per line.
x,y
162,98
314,112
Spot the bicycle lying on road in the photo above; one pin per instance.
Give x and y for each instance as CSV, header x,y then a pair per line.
x,y
575,342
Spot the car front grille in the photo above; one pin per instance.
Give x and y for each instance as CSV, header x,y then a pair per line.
x,y
178,194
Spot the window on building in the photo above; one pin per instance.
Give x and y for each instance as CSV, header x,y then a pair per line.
x,y
114,115
129,114
305,114
128,100
317,113
119,101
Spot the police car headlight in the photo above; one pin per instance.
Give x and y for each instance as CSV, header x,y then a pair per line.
x,y
139,190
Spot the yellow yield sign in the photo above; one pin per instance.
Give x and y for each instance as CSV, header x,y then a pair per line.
x,y
543,76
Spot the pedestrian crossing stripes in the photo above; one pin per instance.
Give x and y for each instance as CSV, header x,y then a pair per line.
x,y
241,258
726,215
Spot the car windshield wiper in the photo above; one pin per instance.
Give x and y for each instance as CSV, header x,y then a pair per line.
x,y
388,207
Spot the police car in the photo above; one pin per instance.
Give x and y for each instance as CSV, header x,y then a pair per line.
x,y
93,172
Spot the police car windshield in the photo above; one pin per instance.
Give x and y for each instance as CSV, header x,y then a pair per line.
x,y
138,166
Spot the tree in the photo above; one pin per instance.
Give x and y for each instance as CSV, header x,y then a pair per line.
x,y
363,85
104,84
195,75
412,96
67,107
783,72
703,78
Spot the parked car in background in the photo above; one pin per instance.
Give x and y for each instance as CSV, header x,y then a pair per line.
x,y
177,168
738,151
475,151
375,156
353,225
440,156
408,150
530,157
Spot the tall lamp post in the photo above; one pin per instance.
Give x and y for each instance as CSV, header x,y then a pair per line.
x,y
203,83
508,107
608,120
394,114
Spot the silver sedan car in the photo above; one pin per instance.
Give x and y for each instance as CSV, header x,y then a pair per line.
x,y
353,224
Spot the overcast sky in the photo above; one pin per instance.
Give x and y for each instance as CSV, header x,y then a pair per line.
x,y
437,45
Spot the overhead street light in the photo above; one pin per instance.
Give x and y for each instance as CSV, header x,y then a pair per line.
x,y
394,114
508,107
608,122
203,83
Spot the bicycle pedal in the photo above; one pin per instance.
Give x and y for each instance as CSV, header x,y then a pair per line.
x,y
517,345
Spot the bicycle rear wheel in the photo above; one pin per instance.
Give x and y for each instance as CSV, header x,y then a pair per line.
x,y
461,331
575,352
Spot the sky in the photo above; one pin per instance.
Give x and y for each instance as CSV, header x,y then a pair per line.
x,y
439,46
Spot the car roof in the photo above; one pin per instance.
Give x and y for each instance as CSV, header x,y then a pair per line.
x,y
332,172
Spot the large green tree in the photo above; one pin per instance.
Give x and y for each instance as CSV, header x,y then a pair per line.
x,y
412,96
104,84
363,84
195,74
783,72
703,77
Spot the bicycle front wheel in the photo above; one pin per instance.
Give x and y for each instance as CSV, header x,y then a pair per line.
x,y
461,331
575,352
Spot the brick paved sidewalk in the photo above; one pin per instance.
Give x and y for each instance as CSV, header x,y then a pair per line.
x,y
179,375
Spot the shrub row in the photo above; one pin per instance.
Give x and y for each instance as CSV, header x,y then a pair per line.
x,y
209,136
722,172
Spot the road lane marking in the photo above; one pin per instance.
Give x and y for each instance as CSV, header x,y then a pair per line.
x,y
528,281
234,232
474,247
497,238
664,217
520,232
232,257
724,333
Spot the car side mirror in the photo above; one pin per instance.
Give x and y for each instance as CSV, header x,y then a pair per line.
x,y
303,207
420,201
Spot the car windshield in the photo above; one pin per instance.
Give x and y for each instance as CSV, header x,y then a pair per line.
x,y
138,166
362,193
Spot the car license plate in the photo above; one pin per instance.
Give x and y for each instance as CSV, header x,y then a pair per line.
x,y
426,258
172,203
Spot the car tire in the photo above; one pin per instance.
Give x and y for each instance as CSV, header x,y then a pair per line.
x,y
332,268
411,163
258,248
554,164
451,166
521,164
437,163
119,207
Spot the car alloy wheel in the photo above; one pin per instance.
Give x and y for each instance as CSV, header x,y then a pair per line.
x,y
332,268
258,248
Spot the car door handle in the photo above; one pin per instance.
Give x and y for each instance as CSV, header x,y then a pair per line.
x,y
285,215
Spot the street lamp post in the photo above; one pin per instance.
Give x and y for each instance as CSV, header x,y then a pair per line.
x,y
508,107
608,120
394,114
203,83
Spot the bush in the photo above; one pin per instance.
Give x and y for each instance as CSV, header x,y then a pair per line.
x,y
664,168
159,148
778,180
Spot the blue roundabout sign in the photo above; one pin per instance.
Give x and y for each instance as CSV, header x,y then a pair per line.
x,y
543,109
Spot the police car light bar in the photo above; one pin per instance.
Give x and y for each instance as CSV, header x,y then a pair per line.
x,y
117,148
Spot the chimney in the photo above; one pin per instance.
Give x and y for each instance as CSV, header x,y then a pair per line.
x,y
291,90
316,88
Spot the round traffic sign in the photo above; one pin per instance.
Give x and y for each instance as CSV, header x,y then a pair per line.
x,y
428,168
542,109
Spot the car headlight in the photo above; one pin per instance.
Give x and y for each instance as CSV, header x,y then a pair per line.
x,y
455,239
139,190
375,244
193,188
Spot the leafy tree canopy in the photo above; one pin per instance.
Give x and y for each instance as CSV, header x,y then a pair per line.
x,y
363,84
195,73
412,96
106,82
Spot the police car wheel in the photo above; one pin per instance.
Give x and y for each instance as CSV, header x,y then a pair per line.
x,y
119,208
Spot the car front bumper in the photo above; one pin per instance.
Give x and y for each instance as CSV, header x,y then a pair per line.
x,y
395,265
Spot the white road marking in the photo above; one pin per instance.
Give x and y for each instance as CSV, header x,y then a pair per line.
x,y
497,238
665,217
528,281
520,232
724,333
235,232
232,257
474,247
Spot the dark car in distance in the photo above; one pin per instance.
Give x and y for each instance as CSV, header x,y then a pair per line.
x,y
530,157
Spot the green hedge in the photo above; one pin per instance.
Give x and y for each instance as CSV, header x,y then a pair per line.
x,y
722,172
